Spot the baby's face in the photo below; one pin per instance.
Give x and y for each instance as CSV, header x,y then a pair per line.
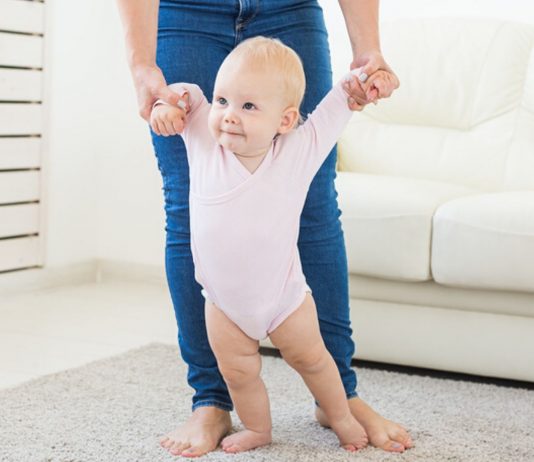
x,y
247,110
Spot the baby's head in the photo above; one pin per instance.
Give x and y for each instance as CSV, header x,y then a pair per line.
x,y
257,95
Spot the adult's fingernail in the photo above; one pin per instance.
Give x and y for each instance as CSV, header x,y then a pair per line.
x,y
181,104
362,77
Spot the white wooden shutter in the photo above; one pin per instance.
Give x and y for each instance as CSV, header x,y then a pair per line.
x,y
21,66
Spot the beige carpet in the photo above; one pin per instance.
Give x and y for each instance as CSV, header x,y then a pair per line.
x,y
114,410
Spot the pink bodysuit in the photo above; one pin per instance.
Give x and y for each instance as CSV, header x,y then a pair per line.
x,y
244,226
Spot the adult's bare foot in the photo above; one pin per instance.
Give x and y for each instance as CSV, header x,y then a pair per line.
x,y
200,434
382,433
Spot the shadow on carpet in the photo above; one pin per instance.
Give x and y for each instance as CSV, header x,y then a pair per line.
x,y
116,409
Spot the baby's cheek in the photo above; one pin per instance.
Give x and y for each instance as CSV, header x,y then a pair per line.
x,y
213,126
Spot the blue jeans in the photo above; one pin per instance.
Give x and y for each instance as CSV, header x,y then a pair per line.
x,y
194,37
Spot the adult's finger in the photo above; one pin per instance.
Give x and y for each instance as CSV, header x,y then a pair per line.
x,y
387,86
169,96
369,68
372,95
384,83
145,109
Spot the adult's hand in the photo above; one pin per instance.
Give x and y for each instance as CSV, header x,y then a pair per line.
x,y
369,89
150,85
370,62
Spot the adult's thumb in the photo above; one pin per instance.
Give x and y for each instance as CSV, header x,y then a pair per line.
x,y
169,96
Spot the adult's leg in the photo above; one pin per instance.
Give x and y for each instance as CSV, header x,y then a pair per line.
x,y
321,242
191,45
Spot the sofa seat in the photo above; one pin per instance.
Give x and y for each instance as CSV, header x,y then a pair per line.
x,y
432,294
387,222
485,241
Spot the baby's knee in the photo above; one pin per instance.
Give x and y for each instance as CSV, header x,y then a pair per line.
x,y
242,371
307,360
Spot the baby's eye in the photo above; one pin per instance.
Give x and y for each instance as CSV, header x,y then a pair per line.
x,y
249,106
221,101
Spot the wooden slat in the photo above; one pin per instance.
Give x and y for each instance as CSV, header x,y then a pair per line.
x,y
16,220
20,119
21,16
20,50
19,253
20,153
19,186
20,85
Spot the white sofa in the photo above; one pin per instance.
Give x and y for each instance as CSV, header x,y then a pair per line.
x,y
436,188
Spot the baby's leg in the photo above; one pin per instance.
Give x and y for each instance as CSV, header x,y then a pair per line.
x,y
240,364
299,340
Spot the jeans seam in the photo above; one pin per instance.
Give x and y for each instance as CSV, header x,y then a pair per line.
x,y
213,403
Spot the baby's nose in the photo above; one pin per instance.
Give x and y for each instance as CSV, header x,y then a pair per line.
x,y
230,117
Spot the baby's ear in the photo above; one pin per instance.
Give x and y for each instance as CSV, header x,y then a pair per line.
x,y
289,119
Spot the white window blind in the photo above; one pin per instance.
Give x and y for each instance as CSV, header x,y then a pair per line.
x,y
21,67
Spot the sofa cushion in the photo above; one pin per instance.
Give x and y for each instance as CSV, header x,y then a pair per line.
x,y
485,241
387,223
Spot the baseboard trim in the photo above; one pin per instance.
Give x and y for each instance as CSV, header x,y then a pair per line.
x,y
42,278
91,271
113,270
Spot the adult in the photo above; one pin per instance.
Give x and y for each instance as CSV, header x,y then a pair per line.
x,y
177,40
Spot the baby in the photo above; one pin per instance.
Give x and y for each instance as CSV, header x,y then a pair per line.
x,y
250,170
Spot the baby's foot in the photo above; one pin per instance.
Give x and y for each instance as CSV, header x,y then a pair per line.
x,y
351,434
245,440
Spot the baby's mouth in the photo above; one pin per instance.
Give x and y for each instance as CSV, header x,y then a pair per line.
x,y
231,133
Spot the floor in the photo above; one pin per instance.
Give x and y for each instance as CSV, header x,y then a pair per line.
x,y
50,330
59,328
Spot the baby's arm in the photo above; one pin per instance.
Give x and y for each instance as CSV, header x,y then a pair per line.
x,y
317,136
167,120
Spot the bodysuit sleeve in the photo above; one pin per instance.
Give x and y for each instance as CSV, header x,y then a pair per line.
x,y
312,141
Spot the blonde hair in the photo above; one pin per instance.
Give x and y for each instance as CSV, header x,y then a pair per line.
x,y
271,55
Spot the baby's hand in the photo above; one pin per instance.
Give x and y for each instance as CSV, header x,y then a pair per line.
x,y
167,120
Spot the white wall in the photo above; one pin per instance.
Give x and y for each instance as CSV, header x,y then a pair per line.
x,y
103,195
103,187
69,169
